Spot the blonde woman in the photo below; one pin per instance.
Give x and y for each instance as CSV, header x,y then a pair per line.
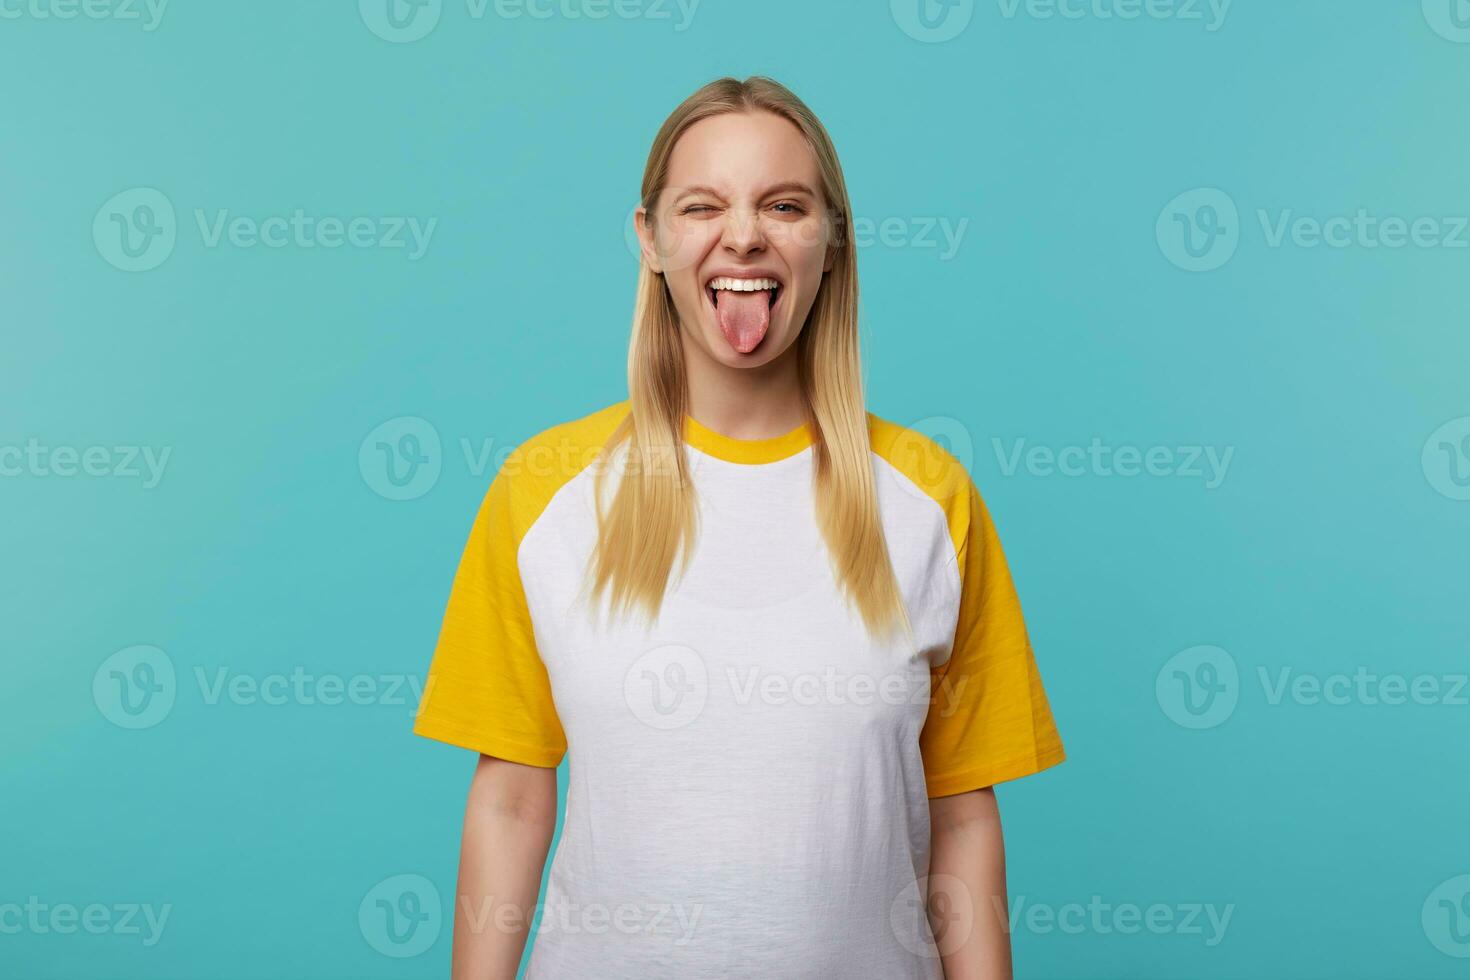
x,y
774,632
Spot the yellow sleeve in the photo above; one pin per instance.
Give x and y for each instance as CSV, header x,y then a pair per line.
x,y
487,688
988,718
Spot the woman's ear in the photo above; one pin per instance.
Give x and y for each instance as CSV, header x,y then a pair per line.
x,y
646,243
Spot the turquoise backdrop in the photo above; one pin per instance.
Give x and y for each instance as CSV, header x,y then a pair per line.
x,y
1184,283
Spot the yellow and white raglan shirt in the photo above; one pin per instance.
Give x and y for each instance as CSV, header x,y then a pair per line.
x,y
749,778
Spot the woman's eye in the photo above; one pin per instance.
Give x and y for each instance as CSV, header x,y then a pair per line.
x,y
790,207
696,209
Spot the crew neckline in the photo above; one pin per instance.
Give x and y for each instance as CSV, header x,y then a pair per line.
x,y
746,451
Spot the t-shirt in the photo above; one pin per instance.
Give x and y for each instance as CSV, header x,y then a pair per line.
x,y
749,779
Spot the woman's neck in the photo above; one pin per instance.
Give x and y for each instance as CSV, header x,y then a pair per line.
x,y
744,403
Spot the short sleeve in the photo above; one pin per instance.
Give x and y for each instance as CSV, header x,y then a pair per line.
x,y
487,688
989,720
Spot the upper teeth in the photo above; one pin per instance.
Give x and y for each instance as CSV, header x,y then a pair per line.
x,y
742,285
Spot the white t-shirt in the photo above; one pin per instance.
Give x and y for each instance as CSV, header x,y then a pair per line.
x,y
749,780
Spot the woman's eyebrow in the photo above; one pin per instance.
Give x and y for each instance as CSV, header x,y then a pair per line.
x,y
785,187
790,187
695,189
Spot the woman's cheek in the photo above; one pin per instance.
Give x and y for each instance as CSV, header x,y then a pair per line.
x,y
803,237
680,248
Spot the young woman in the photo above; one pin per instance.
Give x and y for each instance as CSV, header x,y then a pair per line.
x,y
775,632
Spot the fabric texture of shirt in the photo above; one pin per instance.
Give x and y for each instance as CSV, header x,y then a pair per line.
x,y
749,779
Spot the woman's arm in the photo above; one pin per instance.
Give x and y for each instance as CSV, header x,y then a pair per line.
x,y
508,824
967,886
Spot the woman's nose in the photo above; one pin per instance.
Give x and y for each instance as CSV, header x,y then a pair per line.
x,y
743,231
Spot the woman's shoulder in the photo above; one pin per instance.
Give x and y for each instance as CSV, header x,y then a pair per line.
x,y
932,453
550,457
579,434
532,472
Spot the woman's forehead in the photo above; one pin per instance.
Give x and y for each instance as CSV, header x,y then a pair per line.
x,y
745,152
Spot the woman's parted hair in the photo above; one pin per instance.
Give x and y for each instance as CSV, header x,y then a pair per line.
x,y
652,517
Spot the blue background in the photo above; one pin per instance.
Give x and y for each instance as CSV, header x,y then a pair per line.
x,y
1336,541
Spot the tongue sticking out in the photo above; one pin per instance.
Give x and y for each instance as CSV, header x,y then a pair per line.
x,y
744,316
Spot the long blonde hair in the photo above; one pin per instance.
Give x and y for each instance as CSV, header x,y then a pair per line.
x,y
653,517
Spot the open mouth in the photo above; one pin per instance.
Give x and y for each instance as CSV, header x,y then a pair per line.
x,y
743,307
771,287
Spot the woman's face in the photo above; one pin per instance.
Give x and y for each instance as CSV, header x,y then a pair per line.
x,y
741,235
